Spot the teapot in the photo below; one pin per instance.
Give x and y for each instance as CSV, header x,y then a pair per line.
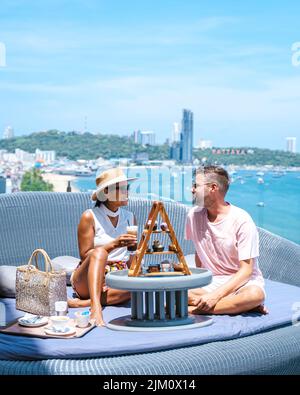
x,y
157,246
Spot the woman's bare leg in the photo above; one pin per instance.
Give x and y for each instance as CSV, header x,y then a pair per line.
x,y
109,298
76,302
88,280
95,279
115,296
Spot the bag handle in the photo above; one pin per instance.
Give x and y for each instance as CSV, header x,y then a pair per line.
x,y
46,258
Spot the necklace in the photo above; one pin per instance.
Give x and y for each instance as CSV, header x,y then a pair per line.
x,y
109,212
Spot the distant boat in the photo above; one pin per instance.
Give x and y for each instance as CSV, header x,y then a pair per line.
x,y
278,174
260,173
84,173
76,172
260,204
260,180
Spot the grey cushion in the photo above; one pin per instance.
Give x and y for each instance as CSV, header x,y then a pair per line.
x,y
8,281
65,263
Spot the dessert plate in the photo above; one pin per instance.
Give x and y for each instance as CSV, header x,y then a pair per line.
x,y
54,332
33,321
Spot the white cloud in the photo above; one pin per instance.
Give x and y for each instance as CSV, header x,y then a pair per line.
x,y
144,96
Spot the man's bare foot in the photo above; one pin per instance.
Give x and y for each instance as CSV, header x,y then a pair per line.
x,y
76,302
96,315
260,309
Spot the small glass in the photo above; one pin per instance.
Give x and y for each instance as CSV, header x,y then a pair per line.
x,y
165,266
61,307
132,230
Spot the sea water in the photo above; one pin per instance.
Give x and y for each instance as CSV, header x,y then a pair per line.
x,y
272,199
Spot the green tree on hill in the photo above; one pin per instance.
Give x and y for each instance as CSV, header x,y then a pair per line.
x,y
74,146
83,146
33,181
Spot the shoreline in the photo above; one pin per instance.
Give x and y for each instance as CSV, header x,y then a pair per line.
x,y
60,181
270,168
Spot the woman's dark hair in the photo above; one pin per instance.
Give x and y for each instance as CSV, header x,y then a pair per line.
x,y
98,203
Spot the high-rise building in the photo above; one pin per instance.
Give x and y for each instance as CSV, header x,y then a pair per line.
x,y
8,133
147,137
137,137
186,137
176,132
291,144
144,137
175,151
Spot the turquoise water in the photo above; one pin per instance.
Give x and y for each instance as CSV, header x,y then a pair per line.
x,y
279,197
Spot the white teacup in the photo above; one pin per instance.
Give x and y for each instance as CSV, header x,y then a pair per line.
x,y
82,318
60,322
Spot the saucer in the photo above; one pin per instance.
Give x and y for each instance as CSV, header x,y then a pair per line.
x,y
32,321
66,332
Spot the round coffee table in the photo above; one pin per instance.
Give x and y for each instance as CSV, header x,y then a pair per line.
x,y
159,302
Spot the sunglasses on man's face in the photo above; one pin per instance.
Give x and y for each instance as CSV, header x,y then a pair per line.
x,y
195,185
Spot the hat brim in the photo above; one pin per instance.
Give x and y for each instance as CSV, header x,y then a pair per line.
x,y
112,182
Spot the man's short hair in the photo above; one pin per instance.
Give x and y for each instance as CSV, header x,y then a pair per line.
x,y
216,174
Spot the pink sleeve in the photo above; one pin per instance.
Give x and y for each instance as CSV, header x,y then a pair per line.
x,y
188,229
248,241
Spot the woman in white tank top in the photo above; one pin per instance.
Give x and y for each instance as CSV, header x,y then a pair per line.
x,y
103,243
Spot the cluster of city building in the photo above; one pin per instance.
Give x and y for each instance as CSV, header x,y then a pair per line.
x,y
182,141
14,165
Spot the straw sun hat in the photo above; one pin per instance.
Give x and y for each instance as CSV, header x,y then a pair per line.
x,y
108,178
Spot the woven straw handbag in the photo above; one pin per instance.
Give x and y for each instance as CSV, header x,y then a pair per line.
x,y
36,290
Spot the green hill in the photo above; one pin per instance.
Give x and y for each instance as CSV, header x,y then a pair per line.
x,y
89,146
259,157
83,146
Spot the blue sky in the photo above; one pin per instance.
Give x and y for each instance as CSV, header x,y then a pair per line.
x,y
135,64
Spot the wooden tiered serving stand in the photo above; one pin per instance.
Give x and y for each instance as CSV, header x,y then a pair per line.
x,y
159,300
135,269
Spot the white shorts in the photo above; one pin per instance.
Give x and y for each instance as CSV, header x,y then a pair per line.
x,y
217,281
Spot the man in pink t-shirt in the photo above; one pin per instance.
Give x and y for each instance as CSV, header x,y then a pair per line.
x,y
226,242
